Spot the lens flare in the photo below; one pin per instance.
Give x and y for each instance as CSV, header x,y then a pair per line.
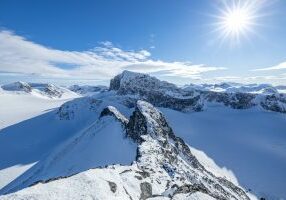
x,y
237,19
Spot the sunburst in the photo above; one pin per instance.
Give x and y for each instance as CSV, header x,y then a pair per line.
x,y
237,19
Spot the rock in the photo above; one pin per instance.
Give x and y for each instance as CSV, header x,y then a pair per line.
x,y
159,93
113,186
146,190
164,94
160,149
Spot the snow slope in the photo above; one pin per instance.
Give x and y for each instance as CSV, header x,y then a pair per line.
x,y
248,143
25,131
38,129
237,87
165,167
252,143
19,107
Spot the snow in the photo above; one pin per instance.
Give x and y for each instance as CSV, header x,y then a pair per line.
x,y
75,156
251,143
210,165
87,151
194,196
76,187
118,114
236,87
37,142
25,131
37,131
87,90
17,107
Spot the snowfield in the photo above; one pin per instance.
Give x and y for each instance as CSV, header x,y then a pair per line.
x,y
250,143
62,144
17,142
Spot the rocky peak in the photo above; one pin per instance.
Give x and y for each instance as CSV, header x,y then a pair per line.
x,y
159,93
159,149
136,83
52,91
164,94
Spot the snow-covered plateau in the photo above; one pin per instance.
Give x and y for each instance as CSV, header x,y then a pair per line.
x,y
142,138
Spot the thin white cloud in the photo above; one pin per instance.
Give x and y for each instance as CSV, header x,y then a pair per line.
x,y
274,79
276,67
20,56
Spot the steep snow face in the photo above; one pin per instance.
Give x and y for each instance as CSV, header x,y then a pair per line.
x,y
28,131
252,143
82,152
163,94
30,141
165,167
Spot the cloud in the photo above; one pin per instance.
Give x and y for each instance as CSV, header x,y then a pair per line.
x,y
276,67
21,56
274,79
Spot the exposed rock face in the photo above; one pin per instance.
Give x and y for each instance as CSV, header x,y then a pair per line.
x,y
161,150
146,190
159,93
113,186
274,102
233,100
52,91
164,94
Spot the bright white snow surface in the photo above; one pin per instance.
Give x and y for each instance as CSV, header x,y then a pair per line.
x,y
24,126
37,137
252,143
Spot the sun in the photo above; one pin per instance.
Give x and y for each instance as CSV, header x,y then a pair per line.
x,y
237,19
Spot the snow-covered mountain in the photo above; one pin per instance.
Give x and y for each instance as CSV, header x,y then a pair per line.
x,y
164,166
237,87
87,90
39,89
163,94
133,142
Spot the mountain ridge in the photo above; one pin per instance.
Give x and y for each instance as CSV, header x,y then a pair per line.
x,y
164,164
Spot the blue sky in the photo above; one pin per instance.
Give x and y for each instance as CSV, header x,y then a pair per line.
x,y
91,41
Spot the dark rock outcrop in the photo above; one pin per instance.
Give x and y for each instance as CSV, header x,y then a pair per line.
x,y
164,94
113,186
149,128
146,190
